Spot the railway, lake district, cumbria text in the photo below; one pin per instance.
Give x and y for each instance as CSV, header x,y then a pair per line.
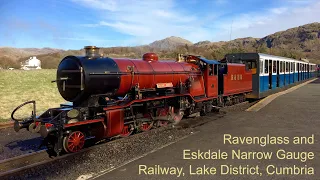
x,y
237,162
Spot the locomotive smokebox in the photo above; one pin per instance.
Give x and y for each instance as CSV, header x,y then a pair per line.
x,y
92,51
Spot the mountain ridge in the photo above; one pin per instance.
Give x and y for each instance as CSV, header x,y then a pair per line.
x,y
298,42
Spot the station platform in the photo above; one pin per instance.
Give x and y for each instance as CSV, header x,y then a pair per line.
x,y
287,117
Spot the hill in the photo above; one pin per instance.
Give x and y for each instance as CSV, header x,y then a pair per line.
x,y
9,56
304,41
170,43
298,42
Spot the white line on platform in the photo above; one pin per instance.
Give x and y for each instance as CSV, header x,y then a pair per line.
x,y
103,172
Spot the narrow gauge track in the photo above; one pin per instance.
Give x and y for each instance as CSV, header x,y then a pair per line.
x,y
9,167
6,125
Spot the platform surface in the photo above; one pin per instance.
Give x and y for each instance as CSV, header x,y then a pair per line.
x,y
296,113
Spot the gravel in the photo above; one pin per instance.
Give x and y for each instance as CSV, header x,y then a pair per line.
x,y
17,143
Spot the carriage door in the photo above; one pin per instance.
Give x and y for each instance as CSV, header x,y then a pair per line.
x,y
211,81
270,74
278,75
298,69
308,75
293,70
289,69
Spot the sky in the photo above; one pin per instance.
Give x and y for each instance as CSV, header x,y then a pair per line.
x,y
73,24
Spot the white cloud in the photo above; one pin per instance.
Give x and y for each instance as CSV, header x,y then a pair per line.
x,y
278,10
109,5
256,25
150,20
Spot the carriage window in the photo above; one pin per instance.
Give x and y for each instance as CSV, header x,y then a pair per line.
x,y
300,67
280,68
294,67
291,67
265,66
261,66
287,67
274,66
283,64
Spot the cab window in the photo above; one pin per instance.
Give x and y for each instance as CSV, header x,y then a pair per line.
x,y
210,69
215,69
251,65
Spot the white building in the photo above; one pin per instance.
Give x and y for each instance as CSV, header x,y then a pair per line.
x,y
31,63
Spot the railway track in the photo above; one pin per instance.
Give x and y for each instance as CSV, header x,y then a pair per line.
x,y
9,167
6,125
12,166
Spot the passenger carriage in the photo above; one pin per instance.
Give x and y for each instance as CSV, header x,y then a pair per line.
x,y
271,74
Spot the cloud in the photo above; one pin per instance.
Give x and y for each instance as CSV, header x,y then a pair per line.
x,y
109,5
255,25
147,21
278,10
300,1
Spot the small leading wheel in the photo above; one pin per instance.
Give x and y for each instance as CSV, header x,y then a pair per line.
x,y
74,142
127,130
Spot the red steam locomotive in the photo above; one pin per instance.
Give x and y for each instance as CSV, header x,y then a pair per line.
x,y
115,97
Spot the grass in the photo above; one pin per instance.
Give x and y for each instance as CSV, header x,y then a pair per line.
x,y
18,86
